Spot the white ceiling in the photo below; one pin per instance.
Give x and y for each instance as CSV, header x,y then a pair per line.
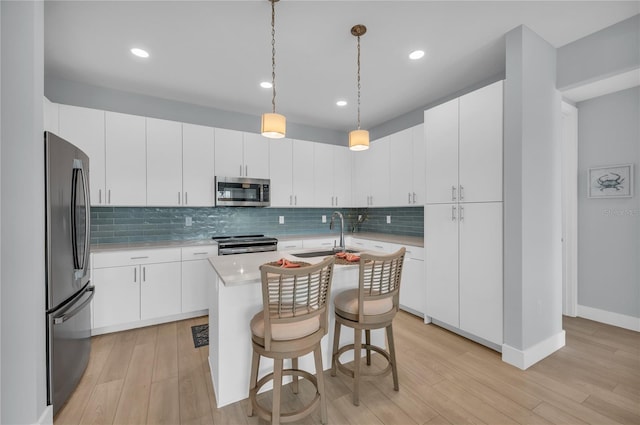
x,y
215,53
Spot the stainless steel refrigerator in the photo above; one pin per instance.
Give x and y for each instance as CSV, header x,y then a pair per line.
x,y
68,289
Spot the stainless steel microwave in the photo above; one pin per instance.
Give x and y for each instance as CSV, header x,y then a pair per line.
x,y
242,192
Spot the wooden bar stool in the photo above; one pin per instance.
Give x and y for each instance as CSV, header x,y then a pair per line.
x,y
292,323
378,292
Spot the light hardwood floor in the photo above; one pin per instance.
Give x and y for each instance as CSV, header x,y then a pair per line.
x,y
154,375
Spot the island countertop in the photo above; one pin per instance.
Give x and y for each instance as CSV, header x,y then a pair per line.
x,y
245,268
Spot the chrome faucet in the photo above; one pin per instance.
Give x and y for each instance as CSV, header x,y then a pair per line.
x,y
339,214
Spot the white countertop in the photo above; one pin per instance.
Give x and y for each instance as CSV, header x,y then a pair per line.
x,y
245,268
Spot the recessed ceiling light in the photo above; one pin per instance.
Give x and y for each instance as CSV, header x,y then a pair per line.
x,y
266,85
416,54
140,53
341,103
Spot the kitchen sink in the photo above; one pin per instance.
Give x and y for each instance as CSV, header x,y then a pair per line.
x,y
319,253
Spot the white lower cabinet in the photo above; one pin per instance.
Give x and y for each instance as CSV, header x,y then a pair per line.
x,y
140,287
463,267
198,278
289,245
413,291
327,243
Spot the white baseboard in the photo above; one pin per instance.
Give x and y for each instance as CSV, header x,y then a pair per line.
x,y
610,318
532,355
47,416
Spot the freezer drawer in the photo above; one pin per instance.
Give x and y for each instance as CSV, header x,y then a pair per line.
x,y
69,347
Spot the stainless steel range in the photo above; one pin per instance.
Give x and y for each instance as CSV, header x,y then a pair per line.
x,y
245,244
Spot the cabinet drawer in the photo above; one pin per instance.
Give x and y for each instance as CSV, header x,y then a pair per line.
x,y
288,245
199,252
320,243
132,257
414,252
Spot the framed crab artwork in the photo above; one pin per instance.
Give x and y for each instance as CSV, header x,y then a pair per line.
x,y
612,181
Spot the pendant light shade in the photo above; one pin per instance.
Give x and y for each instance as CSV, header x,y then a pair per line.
x,y
358,139
274,126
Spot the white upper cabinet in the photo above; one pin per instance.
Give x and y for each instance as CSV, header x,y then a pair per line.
x,y
164,163
126,174
281,167
441,150
480,155
341,176
361,178
240,154
419,176
198,173
85,128
303,174
256,156
464,148
401,168
228,153
323,175
379,172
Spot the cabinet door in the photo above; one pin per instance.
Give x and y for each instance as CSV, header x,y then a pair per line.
x,y
342,177
228,153
361,180
160,290
50,113
441,262
480,157
419,176
481,269
117,298
281,167
85,128
323,175
198,173
126,173
441,152
379,172
164,162
256,156
302,173
413,289
401,168
197,277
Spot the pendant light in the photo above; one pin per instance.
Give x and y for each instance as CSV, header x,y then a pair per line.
x,y
358,139
273,125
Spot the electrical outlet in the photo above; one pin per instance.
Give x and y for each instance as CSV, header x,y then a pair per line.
x,y
388,219
188,221
324,218
281,219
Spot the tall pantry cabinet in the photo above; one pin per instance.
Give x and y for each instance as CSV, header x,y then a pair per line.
x,y
463,213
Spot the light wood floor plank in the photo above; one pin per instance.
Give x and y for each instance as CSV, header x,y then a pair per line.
x,y
155,375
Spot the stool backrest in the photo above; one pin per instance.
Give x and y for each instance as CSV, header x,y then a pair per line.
x,y
292,295
380,277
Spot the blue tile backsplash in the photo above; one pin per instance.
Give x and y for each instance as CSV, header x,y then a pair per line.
x,y
150,224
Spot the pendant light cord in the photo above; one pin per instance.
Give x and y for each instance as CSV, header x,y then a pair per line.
x,y
358,82
273,55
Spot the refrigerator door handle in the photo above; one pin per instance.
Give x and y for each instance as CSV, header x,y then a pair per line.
x,y
68,315
81,265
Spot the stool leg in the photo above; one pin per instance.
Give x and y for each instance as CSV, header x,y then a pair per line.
x,y
253,380
336,342
317,355
392,355
357,353
294,365
367,338
277,387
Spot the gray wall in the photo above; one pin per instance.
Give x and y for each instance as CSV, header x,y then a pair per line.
x,y
608,52
609,229
22,217
79,94
532,215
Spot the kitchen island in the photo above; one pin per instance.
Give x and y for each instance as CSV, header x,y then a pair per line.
x,y
235,298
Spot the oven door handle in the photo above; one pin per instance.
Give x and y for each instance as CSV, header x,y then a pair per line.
x,y
68,315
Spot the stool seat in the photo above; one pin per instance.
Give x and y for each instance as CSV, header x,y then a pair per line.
x,y
378,294
291,324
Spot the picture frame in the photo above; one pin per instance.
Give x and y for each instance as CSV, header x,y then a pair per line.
x,y
611,181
